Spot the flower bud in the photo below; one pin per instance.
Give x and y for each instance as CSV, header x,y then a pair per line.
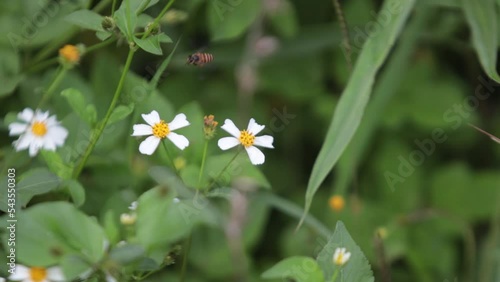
x,y
108,24
209,125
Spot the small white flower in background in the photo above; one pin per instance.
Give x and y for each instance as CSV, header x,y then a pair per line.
x,y
2,279
133,206
248,139
37,131
159,129
341,256
128,218
37,274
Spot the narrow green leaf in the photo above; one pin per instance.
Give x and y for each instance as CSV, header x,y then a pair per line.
x,y
76,191
156,78
352,103
482,16
150,44
300,269
77,103
120,113
356,268
86,19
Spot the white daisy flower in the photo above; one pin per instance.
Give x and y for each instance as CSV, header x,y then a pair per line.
x,y
159,129
248,139
341,256
37,274
38,131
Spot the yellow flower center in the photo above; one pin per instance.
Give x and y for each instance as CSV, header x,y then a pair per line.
x,y
70,53
336,203
161,129
39,128
38,274
246,138
339,260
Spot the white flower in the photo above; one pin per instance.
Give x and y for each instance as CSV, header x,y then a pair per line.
x,y
2,279
37,274
133,206
340,257
159,129
248,139
37,131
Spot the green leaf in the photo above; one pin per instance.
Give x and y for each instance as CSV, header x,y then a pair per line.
x,y
56,164
156,78
481,16
111,226
10,66
352,103
120,113
228,20
284,20
86,19
49,232
300,269
139,6
103,35
126,254
356,268
77,103
126,20
150,44
76,191
74,266
35,182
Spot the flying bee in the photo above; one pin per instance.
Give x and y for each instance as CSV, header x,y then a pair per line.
x,y
199,59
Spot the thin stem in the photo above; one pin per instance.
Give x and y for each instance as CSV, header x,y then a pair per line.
x,y
334,277
113,7
99,45
100,128
185,258
202,168
157,19
222,171
61,72
170,158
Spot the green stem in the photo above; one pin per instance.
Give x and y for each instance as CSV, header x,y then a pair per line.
x,y
185,258
335,274
113,7
223,170
170,158
61,72
100,128
202,169
158,18
99,45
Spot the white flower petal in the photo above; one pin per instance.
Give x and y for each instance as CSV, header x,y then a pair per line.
x,y
49,144
51,121
228,143
230,128
58,134
26,115
149,145
23,142
16,128
264,141
55,274
179,121
179,140
256,156
22,272
151,118
254,127
346,257
41,115
142,130
35,146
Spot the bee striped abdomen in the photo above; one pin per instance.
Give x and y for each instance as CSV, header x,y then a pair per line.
x,y
199,59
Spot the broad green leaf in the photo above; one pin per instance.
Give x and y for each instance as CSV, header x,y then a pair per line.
x,y
86,19
126,254
77,103
352,103
163,38
300,269
126,20
482,18
76,191
110,225
150,44
56,164
103,35
34,182
356,269
228,20
49,232
120,112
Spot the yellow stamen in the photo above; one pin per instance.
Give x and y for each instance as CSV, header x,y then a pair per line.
x,y
246,138
38,274
39,128
70,53
161,129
